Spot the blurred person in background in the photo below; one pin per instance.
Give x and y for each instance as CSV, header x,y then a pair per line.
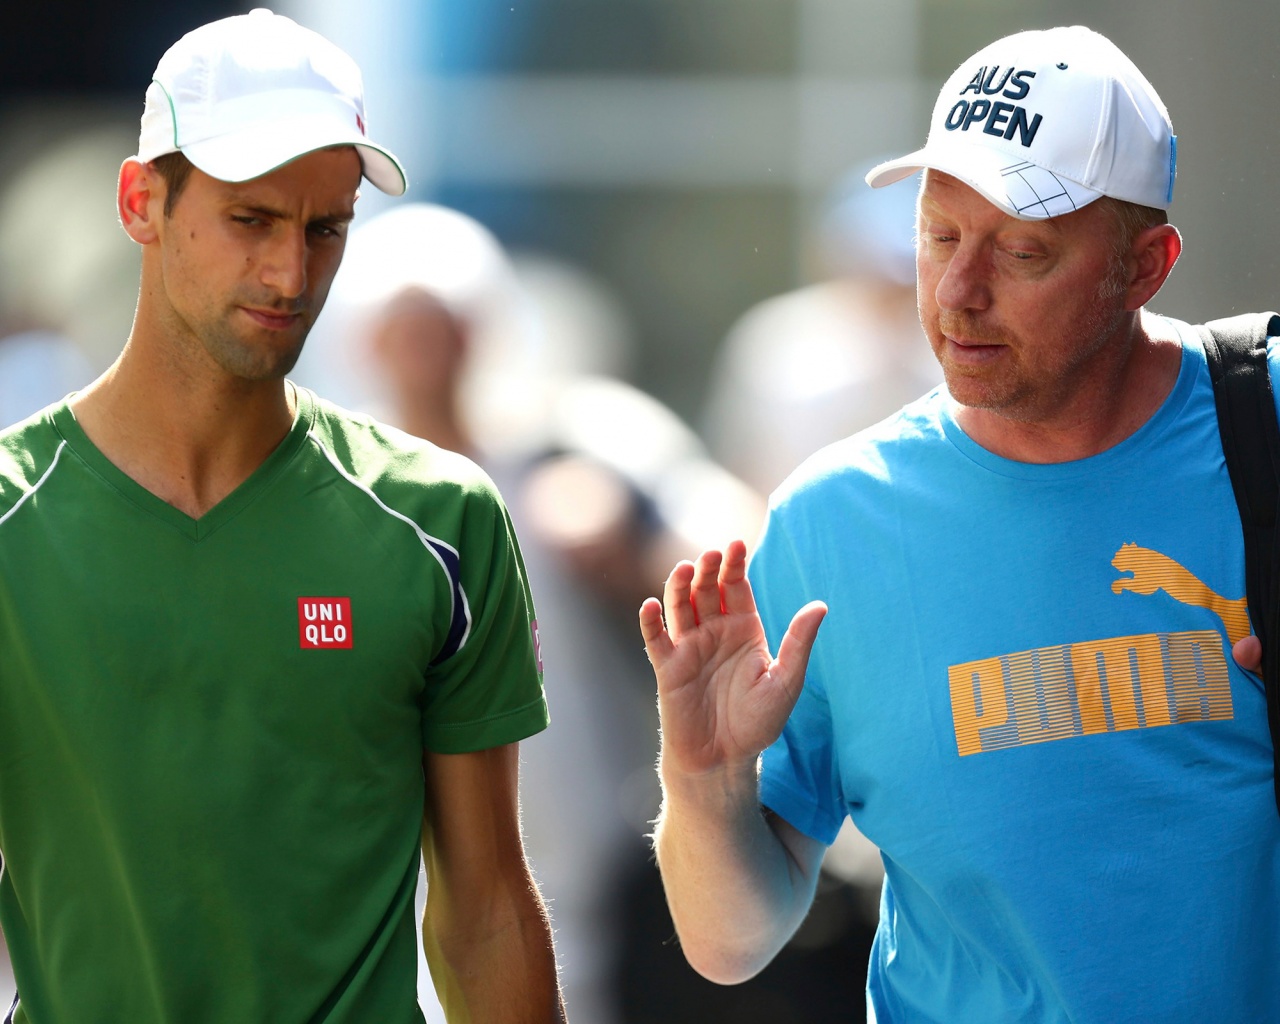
x,y
807,368
66,268
515,362
68,274
258,657
422,292
819,363
1036,716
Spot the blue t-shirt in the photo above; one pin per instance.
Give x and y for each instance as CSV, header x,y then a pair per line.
x,y
1024,695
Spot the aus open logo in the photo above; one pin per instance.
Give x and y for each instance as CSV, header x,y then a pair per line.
x,y
324,623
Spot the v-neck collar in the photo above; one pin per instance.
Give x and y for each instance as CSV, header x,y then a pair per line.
x,y
64,421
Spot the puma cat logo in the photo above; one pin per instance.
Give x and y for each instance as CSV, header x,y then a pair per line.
x,y
1088,687
1152,571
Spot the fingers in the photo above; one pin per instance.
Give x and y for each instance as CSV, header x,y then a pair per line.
x,y
657,643
706,585
694,593
1248,653
675,600
735,590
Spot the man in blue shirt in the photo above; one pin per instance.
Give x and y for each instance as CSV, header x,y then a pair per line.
x,y
1034,579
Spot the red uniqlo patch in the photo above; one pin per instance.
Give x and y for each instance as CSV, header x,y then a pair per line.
x,y
324,622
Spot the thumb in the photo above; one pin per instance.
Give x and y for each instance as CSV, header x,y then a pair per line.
x,y
797,644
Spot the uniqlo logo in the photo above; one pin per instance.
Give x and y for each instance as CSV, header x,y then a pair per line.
x,y
324,622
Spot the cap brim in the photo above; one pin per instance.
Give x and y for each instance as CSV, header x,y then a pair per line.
x,y
260,148
1021,188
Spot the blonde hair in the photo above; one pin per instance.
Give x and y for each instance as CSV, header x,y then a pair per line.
x,y
1131,219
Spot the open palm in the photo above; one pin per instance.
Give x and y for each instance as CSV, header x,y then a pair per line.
x,y
722,697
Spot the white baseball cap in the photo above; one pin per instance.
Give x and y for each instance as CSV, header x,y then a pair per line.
x,y
244,95
1044,122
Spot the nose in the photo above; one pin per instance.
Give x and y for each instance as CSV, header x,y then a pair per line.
x,y
965,280
284,267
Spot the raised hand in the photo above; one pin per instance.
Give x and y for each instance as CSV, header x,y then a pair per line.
x,y
722,697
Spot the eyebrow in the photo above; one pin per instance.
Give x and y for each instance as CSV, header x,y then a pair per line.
x,y
253,207
339,217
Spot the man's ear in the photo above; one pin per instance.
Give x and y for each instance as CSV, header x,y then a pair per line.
x,y
1155,251
140,200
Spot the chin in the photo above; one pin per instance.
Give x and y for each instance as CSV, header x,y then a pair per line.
x,y
256,362
980,392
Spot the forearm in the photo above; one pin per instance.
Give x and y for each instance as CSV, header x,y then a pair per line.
x,y
485,932
736,891
493,961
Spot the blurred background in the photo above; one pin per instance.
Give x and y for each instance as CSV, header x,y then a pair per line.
x,y
643,282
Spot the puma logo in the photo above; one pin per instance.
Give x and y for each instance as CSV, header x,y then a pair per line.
x,y
1152,571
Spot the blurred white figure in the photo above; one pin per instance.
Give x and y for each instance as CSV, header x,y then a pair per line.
x,y
38,368
803,369
65,265
817,364
420,288
431,325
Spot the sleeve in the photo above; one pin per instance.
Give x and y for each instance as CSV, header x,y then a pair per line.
x,y
799,777
484,687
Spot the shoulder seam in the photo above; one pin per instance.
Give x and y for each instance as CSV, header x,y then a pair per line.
x,y
443,552
38,484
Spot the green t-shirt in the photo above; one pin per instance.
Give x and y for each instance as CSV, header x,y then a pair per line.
x,y
211,731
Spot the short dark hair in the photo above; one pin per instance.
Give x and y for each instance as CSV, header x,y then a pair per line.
x,y
175,169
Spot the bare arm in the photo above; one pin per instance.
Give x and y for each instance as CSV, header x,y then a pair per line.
x,y
486,933
738,881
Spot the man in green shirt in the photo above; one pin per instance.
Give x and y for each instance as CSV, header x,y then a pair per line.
x,y
258,656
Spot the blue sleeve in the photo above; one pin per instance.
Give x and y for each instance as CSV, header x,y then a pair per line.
x,y
799,776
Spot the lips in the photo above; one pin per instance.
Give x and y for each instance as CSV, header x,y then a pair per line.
x,y
272,319
971,351
968,338
974,344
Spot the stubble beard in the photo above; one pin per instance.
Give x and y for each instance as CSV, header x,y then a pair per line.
x,y
1012,391
250,359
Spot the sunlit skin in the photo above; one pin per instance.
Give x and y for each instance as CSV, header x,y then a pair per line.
x,y
1038,324
245,267
1039,329
232,281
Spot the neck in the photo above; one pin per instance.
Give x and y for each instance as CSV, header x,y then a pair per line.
x,y
189,439
1121,390
437,422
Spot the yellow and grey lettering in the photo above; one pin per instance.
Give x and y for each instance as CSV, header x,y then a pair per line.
x,y
1088,688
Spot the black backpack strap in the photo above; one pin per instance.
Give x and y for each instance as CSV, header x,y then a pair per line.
x,y
1237,352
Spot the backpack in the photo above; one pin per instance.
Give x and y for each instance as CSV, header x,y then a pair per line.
x,y
1236,348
